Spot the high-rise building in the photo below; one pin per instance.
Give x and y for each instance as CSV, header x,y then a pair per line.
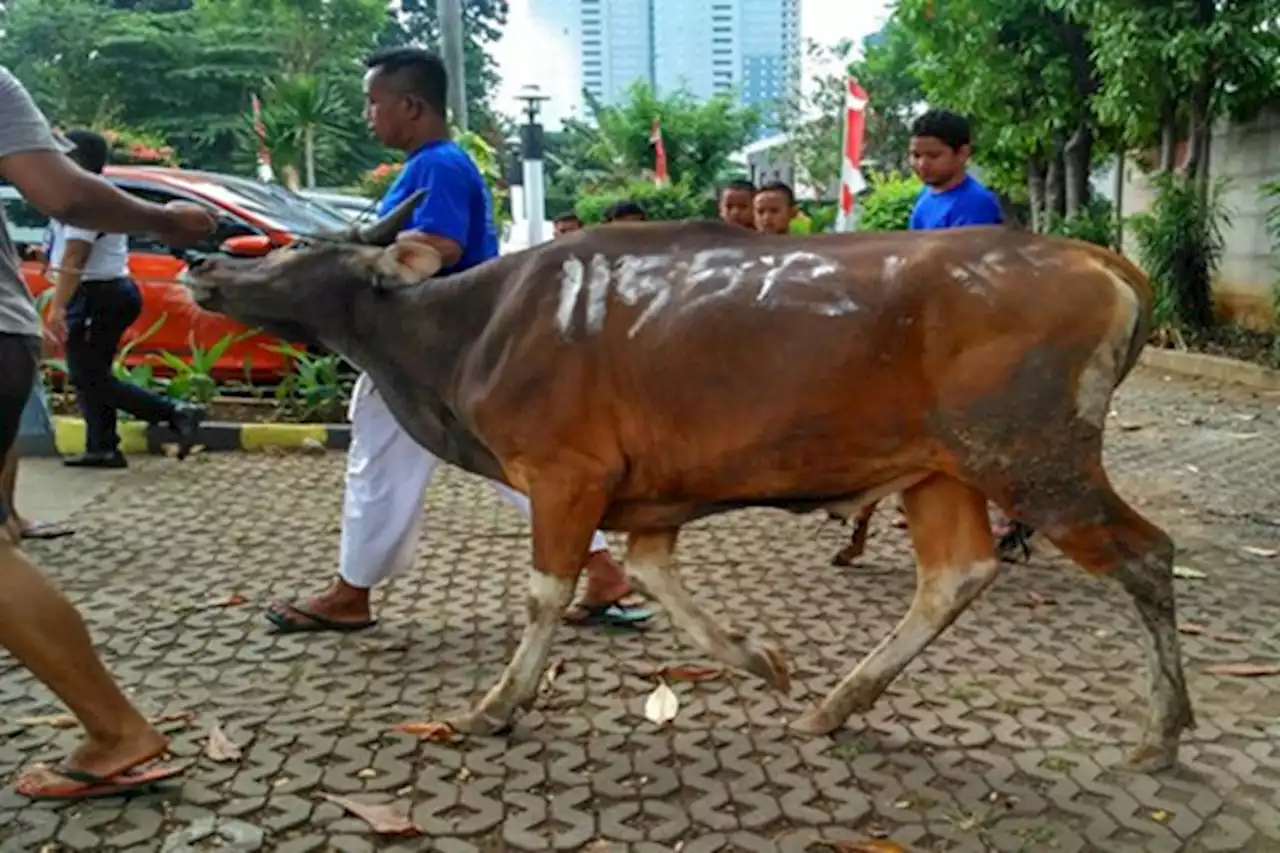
x,y
703,46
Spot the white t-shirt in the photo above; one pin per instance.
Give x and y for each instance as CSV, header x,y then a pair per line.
x,y
108,259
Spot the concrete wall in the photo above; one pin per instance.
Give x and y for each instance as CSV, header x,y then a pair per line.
x,y
1247,156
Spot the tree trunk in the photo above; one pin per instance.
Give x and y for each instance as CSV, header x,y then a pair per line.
x,y
1077,159
1055,196
1200,128
309,151
289,173
1036,191
1168,138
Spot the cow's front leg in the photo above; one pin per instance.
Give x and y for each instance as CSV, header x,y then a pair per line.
x,y
955,563
649,561
564,519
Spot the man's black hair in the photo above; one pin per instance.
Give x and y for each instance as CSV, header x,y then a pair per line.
x,y
778,187
417,72
952,129
623,208
739,184
91,150
568,217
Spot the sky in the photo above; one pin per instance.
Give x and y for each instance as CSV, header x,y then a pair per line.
x,y
528,54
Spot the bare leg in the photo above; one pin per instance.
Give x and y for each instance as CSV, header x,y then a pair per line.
x,y
8,489
1112,538
47,636
649,560
564,519
955,563
857,540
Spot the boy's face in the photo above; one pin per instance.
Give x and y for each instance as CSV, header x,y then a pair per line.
x,y
736,207
566,226
936,163
773,212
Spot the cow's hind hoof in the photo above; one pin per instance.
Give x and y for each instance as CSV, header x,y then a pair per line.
x,y
769,664
846,556
814,723
1152,758
479,724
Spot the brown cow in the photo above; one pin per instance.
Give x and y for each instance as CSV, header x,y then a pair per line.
x,y
642,376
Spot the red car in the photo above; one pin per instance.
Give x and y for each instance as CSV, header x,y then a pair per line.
x,y
243,208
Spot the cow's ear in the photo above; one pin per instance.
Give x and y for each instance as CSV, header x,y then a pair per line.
x,y
407,262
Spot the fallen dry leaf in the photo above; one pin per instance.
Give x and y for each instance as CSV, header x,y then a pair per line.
x,y
55,721
1244,670
1223,636
436,732
600,845
1264,553
1129,427
1035,599
1160,815
662,705
1188,573
235,599
219,747
384,820
688,674
877,845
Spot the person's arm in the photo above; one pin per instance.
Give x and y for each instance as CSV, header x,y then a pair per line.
x,y
32,160
443,218
75,255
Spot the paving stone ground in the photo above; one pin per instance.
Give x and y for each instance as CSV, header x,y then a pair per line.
x,y
1002,737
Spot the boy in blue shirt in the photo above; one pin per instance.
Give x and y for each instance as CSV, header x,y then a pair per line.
x,y
939,151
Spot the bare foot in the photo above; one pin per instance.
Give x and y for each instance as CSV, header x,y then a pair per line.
x,y
607,585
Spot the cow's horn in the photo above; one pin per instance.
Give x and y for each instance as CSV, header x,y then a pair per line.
x,y
384,231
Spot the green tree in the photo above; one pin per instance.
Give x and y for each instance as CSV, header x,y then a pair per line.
x,y
613,149
1023,72
886,71
814,122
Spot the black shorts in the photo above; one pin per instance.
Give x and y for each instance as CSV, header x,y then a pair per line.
x,y
19,361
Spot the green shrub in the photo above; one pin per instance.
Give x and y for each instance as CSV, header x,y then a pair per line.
x,y
887,206
1180,243
669,202
1095,224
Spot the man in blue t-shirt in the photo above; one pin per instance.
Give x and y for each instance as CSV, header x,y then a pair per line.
x,y
387,471
939,151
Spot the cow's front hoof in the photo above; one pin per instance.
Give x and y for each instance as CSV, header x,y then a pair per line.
x,y
815,723
478,723
770,664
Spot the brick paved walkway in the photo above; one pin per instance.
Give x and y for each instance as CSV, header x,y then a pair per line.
x,y
1000,738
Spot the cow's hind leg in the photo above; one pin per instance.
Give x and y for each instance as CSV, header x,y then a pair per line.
x,y
650,561
858,539
955,562
1104,535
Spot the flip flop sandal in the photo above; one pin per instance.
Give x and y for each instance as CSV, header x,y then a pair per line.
x,y
46,530
83,785
312,623
613,615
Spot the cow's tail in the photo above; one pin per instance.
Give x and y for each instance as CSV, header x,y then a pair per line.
x,y
1127,274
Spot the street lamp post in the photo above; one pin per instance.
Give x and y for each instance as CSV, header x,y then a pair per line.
x,y
531,152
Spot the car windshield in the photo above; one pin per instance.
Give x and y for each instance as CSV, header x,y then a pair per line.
x,y
300,216
26,224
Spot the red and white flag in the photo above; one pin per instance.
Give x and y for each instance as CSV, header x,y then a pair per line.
x,y
851,179
660,175
265,173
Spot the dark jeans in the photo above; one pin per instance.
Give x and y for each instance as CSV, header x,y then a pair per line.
x,y
97,317
19,359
